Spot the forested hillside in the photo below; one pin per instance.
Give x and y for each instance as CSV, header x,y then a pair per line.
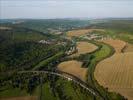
x,y
20,47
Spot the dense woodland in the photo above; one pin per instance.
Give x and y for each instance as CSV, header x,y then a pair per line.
x,y
20,47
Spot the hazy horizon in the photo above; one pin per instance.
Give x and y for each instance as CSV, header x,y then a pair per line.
x,y
32,9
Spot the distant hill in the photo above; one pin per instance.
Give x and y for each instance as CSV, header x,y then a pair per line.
x,y
118,25
44,25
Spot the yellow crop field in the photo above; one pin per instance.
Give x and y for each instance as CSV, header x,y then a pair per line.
x,y
84,47
73,67
4,28
118,45
129,48
116,73
21,98
81,32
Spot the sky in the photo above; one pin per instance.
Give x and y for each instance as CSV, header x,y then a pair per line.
x,y
65,9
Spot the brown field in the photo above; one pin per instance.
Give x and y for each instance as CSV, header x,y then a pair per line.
x,y
129,48
73,67
84,47
116,73
21,98
118,45
4,28
81,32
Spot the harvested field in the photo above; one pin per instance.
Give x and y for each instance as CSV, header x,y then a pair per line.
x,y
73,67
129,48
4,28
118,45
81,32
116,73
84,47
21,98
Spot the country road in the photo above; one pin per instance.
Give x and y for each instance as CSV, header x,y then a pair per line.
x,y
68,77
